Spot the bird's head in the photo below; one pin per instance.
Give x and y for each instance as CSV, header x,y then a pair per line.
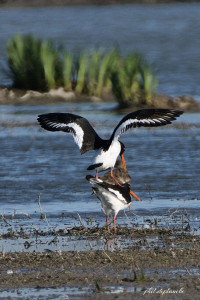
x,y
128,188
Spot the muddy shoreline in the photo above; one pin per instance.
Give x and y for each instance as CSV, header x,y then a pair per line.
x,y
45,3
143,269
18,97
173,267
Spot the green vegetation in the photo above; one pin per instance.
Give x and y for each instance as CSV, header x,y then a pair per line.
x,y
52,65
25,63
132,80
39,65
67,70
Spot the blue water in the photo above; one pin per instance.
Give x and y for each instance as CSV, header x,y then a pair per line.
x,y
163,162
168,35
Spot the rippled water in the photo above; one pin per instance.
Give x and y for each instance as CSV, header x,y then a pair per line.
x,y
163,162
168,35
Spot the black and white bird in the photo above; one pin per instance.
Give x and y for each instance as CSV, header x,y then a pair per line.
x,y
113,197
119,173
122,176
108,150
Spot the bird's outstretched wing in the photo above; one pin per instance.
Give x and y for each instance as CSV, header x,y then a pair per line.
x,y
146,118
83,133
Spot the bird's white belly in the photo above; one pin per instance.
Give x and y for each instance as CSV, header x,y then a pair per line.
x,y
108,158
110,203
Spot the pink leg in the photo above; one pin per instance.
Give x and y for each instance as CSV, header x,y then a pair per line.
x,y
96,174
114,223
116,182
107,222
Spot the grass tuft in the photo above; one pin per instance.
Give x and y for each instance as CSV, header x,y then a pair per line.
x,y
39,65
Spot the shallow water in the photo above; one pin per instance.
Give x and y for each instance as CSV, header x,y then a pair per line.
x,y
66,293
63,293
163,163
166,34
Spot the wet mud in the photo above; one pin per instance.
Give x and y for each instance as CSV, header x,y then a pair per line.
x,y
143,269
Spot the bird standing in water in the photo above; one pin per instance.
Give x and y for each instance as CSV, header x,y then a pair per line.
x,y
113,197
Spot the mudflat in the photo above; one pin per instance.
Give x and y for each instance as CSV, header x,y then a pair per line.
x,y
170,270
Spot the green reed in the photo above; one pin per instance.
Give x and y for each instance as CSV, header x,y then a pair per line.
x,y
39,65
67,70
105,69
132,81
148,84
48,60
24,62
93,71
81,70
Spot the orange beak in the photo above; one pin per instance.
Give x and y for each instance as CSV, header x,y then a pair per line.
x,y
123,162
134,195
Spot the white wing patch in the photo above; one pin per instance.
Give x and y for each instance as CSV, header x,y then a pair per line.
x,y
117,194
79,133
122,127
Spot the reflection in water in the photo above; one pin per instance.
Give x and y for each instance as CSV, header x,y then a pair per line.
x,y
111,244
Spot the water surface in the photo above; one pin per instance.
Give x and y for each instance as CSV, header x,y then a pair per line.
x,y
163,162
168,35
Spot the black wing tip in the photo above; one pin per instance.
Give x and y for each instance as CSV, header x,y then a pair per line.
x,y
169,114
43,121
40,118
50,115
46,119
173,114
161,110
178,112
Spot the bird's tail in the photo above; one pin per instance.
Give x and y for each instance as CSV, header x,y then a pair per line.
x,y
93,180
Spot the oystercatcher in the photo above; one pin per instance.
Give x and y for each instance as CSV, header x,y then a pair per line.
x,y
113,197
107,151
119,173
122,176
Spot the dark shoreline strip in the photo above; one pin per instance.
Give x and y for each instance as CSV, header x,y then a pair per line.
x,y
47,3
